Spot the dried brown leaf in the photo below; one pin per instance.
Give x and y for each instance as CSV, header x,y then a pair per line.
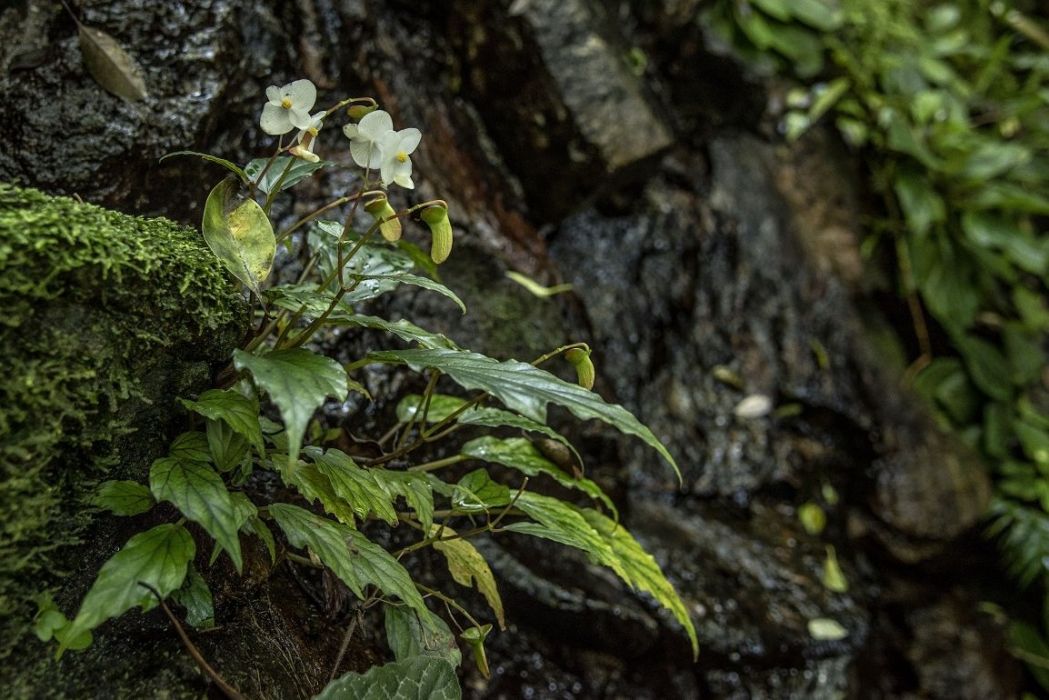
x,y
111,65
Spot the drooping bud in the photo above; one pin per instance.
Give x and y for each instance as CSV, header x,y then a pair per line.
x,y
584,367
380,209
436,217
357,112
475,637
302,151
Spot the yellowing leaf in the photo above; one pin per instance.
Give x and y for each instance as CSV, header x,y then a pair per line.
x,y
468,567
239,233
111,66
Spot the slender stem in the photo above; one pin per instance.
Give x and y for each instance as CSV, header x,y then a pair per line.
x,y
198,658
276,186
310,217
449,601
438,463
345,642
349,101
266,168
422,409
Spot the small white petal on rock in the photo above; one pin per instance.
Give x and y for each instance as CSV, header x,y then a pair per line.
x,y
753,406
826,629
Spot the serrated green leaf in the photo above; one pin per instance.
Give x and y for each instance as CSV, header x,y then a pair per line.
x,y
195,597
298,381
525,389
416,678
300,169
158,557
415,488
361,488
316,488
123,497
239,233
407,636
228,448
356,560
198,492
521,454
191,447
468,568
232,167
238,411
476,492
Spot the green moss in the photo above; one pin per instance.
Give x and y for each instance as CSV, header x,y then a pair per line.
x,y
106,318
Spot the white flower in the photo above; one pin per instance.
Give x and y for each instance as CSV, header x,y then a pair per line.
x,y
365,137
396,165
288,107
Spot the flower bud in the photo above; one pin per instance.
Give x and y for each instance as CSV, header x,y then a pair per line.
x,y
436,217
357,112
474,637
303,151
584,367
380,209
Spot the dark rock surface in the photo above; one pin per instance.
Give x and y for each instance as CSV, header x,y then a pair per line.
x,y
657,191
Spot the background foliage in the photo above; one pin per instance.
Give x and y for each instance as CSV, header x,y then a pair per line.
x,y
947,105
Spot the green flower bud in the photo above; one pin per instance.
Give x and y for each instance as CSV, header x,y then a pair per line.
x,y
436,217
380,209
357,112
475,637
584,367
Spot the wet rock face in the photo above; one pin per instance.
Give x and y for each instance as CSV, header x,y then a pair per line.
x,y
652,191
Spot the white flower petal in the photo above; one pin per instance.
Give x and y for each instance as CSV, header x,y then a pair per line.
x,y
303,94
386,171
275,120
350,132
409,139
375,125
365,153
299,118
405,181
273,94
401,169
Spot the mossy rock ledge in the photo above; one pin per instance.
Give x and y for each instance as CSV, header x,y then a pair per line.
x,y
107,318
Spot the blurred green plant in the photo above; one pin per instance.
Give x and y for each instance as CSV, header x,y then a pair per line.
x,y
949,104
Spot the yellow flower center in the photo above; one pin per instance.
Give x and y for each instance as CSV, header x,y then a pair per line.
x,y
401,156
312,131
286,103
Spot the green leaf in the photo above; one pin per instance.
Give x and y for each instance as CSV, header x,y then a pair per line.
x,y
300,170
468,568
442,405
51,623
361,488
123,497
993,158
407,637
198,492
521,454
191,447
239,233
421,282
232,167
298,381
158,557
237,410
415,678
195,597
415,488
922,207
351,556
605,542
987,366
524,388
228,449
316,488
477,492
1028,645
